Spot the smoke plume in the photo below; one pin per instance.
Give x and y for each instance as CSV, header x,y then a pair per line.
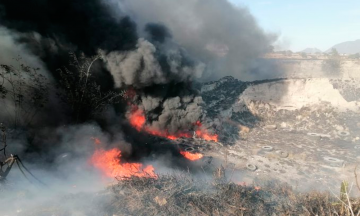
x,y
226,38
154,51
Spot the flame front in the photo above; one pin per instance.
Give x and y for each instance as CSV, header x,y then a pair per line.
x,y
191,156
109,163
138,121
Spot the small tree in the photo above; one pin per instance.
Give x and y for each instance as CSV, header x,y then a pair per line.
x,y
23,93
355,56
332,65
304,55
78,89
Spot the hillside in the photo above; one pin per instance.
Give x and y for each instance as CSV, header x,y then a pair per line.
x,y
311,50
348,47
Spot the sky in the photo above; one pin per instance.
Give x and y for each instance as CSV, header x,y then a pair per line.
x,y
304,24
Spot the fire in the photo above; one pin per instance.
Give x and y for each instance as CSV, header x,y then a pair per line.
x,y
191,156
203,133
138,120
206,136
109,163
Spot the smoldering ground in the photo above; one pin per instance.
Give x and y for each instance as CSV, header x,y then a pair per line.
x,y
70,185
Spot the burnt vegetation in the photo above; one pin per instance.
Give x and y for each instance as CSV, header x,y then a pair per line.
x,y
182,194
332,65
80,92
23,93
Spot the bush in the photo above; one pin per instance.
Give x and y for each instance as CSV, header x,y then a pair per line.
x,y
332,65
23,93
79,91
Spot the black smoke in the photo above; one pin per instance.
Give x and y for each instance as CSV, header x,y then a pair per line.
x,y
155,66
160,59
157,32
84,25
52,29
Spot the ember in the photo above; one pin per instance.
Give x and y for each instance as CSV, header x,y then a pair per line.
x,y
191,156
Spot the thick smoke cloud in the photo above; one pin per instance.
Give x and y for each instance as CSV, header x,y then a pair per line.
x,y
85,24
158,48
180,42
11,50
145,66
157,32
178,114
52,29
226,38
155,64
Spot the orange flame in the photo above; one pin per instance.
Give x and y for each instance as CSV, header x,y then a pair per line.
x,y
137,119
191,156
110,164
206,136
203,133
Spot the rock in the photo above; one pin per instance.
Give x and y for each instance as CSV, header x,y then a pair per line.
x,y
282,153
273,127
251,167
319,135
244,129
160,201
339,128
343,133
267,148
283,125
334,162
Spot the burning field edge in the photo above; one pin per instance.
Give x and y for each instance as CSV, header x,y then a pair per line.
x,y
182,194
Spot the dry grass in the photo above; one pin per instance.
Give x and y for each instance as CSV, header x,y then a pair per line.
x,y
182,195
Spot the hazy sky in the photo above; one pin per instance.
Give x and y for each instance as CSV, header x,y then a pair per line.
x,y
307,23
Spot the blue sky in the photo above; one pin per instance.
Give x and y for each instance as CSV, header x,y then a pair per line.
x,y
307,23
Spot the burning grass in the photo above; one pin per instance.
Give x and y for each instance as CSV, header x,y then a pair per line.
x,y
137,120
182,195
110,164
